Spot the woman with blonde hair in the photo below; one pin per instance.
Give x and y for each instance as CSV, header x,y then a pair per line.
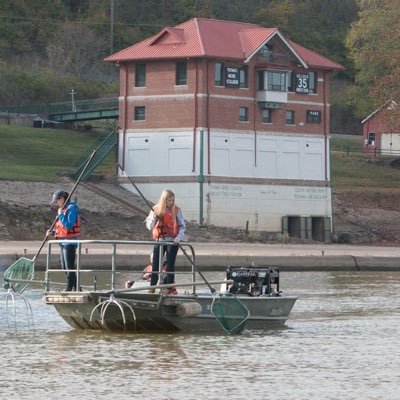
x,y
167,223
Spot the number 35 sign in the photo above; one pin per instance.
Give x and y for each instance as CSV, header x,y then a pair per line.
x,y
302,83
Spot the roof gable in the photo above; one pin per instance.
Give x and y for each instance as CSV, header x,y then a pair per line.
x,y
390,105
266,38
253,39
202,37
168,36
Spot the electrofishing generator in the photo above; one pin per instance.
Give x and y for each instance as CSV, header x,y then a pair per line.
x,y
253,280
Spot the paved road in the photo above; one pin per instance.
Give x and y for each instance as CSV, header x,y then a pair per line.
x,y
220,255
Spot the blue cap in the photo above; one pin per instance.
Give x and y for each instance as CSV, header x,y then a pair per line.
x,y
58,195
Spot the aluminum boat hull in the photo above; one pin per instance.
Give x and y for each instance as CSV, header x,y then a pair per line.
x,y
145,312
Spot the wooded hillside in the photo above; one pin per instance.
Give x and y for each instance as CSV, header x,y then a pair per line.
x,y
48,47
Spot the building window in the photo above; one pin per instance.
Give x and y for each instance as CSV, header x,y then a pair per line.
x,y
243,114
266,51
244,76
276,81
260,80
181,73
267,115
140,75
140,113
371,138
219,74
290,117
313,117
313,82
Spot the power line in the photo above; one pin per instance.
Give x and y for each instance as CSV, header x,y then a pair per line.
x,y
46,20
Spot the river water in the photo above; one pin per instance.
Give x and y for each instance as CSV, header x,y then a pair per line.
x,y
341,342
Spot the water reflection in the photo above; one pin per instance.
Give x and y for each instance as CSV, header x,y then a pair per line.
x,y
340,342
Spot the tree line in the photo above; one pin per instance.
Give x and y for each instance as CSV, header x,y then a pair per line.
x,y
48,47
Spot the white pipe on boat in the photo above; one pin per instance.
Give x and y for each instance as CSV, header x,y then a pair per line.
x,y
188,309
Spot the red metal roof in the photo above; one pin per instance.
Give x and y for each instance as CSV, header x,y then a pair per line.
x,y
253,39
313,59
201,37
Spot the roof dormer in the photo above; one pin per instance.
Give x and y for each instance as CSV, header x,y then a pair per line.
x,y
169,36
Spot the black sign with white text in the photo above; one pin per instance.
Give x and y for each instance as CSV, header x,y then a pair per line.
x,y
302,83
232,77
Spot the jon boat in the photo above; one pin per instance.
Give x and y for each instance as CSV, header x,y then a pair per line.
x,y
249,297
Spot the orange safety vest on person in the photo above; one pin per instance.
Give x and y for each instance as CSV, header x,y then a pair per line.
x,y
167,226
63,233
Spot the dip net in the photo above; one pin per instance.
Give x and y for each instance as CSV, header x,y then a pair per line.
x,y
230,312
19,274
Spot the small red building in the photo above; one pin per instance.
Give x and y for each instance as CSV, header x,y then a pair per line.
x,y
380,135
233,117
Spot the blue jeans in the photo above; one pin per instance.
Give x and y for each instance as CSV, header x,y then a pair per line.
x,y
67,258
172,251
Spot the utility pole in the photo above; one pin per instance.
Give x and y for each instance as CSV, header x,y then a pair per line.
x,y
112,27
73,93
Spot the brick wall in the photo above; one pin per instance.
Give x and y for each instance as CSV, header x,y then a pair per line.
x,y
171,106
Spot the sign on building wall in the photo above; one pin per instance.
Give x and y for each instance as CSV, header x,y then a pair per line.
x,y
232,77
302,83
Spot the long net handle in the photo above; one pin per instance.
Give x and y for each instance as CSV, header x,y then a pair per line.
x,y
66,201
196,268
135,186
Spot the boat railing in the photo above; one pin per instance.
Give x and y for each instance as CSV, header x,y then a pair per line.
x,y
95,278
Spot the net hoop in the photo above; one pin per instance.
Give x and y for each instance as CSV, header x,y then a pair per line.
x,y
22,270
230,312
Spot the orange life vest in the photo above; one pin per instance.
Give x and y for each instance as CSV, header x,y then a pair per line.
x,y
167,226
63,233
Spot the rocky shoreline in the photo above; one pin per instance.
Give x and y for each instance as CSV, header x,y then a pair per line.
x,y
360,216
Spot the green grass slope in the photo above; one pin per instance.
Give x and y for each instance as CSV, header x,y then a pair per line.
x,y
351,168
42,154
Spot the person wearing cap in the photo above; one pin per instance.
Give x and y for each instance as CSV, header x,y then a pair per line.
x,y
67,228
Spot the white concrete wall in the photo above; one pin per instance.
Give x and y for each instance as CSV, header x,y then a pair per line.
x,y
159,154
233,198
264,206
234,205
267,156
232,155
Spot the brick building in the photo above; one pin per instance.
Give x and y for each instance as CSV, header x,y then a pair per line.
x,y
234,118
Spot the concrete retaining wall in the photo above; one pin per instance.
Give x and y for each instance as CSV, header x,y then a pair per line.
x,y
220,262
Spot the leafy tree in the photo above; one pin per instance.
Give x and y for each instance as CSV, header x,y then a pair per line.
x,y
48,47
374,45
27,25
320,25
75,50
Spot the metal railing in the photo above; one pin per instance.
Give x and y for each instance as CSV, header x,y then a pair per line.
x,y
45,109
116,249
103,149
349,149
